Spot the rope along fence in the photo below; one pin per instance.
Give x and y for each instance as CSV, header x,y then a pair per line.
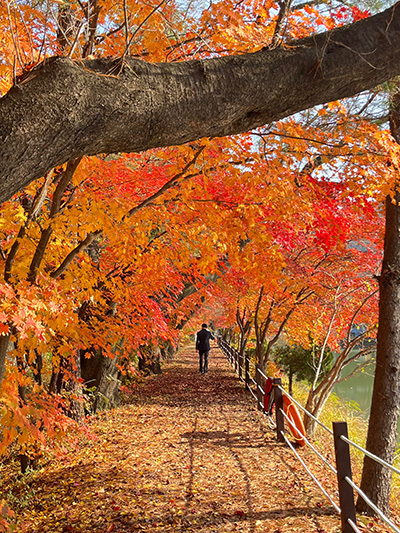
x,y
283,420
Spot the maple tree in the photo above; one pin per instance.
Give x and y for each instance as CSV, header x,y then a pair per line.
x,y
307,268
349,342
344,222
345,297
94,309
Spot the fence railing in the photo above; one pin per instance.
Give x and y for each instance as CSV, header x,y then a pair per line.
x,y
342,469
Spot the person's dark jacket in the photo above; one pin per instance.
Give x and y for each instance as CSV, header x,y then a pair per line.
x,y
203,340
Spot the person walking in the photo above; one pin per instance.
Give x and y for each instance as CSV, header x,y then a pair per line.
x,y
203,347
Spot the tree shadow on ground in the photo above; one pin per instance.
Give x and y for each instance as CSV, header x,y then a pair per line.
x,y
224,438
186,386
131,489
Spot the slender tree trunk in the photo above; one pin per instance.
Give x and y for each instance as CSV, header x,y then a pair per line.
x,y
38,368
27,456
315,404
4,341
290,383
53,382
382,429
319,393
227,335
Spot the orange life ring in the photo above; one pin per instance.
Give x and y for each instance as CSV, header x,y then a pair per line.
x,y
292,413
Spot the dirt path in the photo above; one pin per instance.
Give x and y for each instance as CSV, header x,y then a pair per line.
x,y
190,453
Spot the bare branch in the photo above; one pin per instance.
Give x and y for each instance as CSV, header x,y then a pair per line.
x,y
358,310
284,8
157,7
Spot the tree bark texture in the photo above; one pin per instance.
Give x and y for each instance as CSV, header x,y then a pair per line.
x,y
62,109
382,429
101,372
4,342
75,409
149,360
167,350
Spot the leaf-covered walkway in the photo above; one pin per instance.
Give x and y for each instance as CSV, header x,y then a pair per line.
x,y
189,453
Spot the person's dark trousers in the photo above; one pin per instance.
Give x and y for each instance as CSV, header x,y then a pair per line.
x,y
203,358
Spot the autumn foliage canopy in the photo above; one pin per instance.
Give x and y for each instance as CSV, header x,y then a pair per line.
x,y
119,254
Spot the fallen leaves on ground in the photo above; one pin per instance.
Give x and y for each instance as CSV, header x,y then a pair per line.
x,y
189,453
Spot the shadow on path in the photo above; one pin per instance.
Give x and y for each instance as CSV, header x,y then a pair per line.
x,y
189,453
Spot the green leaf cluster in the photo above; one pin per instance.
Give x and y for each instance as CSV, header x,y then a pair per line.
x,y
300,362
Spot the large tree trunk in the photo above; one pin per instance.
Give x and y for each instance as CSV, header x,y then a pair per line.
x,y
149,360
74,386
382,429
167,350
62,110
101,372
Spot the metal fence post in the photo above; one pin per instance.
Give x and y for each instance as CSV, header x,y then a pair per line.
x,y
247,372
280,420
343,466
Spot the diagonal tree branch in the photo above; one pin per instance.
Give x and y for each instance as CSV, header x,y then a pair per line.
x,y
170,183
65,109
73,253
